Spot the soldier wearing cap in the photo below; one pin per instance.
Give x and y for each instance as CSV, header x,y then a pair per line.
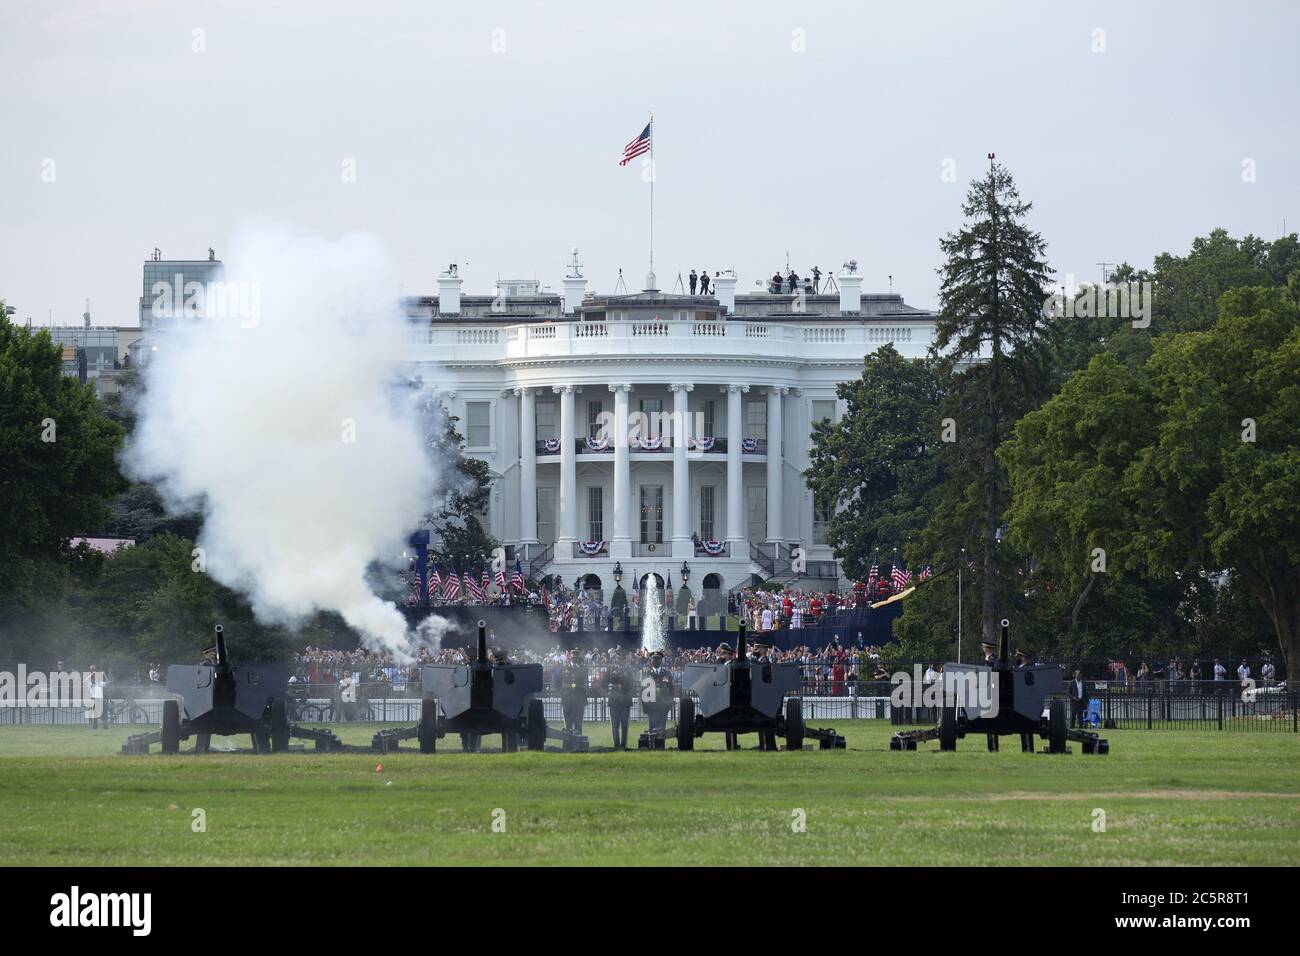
x,y
619,682
762,653
657,698
725,654
573,692
990,652
470,742
1026,740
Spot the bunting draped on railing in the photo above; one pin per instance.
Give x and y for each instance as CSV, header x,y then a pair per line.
x,y
597,444
713,548
704,444
592,548
647,444
551,444
749,444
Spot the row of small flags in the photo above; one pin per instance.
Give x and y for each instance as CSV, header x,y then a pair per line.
x,y
475,584
899,577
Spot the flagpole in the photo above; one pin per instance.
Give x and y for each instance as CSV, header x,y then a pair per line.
x,y
652,195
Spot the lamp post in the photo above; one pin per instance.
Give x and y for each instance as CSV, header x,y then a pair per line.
x,y
686,572
960,567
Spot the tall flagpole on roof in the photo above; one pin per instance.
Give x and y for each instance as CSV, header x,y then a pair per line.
x,y
651,277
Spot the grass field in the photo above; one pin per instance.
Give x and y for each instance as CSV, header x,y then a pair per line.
x,y
1170,798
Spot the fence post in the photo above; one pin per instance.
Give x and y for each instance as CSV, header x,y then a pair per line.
x,y
1219,707
1149,704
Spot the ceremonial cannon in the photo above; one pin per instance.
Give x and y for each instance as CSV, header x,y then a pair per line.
x,y
222,699
484,696
746,696
999,698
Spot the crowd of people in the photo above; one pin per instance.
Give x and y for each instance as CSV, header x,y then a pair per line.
x,y
1177,676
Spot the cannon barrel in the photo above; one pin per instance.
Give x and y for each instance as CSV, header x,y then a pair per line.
x,y
741,650
223,659
482,642
1004,650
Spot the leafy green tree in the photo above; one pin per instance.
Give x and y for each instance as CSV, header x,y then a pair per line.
x,y
995,340
57,466
877,465
1184,467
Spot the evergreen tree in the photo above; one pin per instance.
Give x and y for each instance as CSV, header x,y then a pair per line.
x,y
994,338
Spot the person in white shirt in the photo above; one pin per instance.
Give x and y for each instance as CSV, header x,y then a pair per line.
x,y
1220,672
1243,671
931,675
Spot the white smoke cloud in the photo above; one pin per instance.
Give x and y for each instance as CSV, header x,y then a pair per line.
x,y
288,432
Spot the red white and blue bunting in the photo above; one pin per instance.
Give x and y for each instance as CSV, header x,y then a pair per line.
x,y
647,444
597,444
749,444
713,549
592,548
552,445
704,444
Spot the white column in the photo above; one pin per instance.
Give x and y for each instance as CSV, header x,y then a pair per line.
x,y
620,546
682,546
735,474
568,504
775,498
527,466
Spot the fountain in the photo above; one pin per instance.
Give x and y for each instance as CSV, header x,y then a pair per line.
x,y
652,616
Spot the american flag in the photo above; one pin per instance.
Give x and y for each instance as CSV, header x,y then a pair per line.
x,y
638,146
873,576
925,573
501,576
435,581
485,582
898,577
451,591
517,579
416,589
473,587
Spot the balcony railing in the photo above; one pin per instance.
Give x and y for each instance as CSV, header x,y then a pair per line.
x,y
585,446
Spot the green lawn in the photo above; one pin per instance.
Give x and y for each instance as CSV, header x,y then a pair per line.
x,y
1170,798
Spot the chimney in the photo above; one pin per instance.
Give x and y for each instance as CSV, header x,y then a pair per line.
x,y
449,292
724,287
575,285
850,288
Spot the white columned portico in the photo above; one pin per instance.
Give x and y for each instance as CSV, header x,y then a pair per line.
x,y
568,504
620,546
527,467
735,475
775,497
682,544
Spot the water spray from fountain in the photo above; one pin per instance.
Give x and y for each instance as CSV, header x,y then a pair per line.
x,y
653,625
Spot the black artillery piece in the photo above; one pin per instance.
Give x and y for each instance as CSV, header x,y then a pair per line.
x,y
744,696
219,698
1003,699
485,696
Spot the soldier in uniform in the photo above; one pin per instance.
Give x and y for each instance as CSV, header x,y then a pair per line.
x,y
656,709
573,692
990,659
470,742
724,654
1026,740
762,655
620,683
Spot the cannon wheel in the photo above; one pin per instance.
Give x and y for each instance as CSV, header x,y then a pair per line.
x,y
279,725
1057,726
536,725
793,724
948,728
171,727
686,723
428,731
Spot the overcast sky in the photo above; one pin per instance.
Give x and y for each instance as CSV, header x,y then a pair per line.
x,y
489,134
